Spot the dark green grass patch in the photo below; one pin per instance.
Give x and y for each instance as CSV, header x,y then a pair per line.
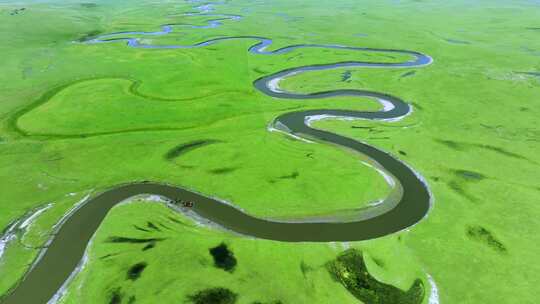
x,y
459,183
501,151
346,76
451,144
417,106
223,257
469,175
135,271
140,228
149,246
149,242
455,41
224,170
183,148
164,226
89,5
116,297
152,226
121,239
460,146
408,74
110,255
89,35
259,71
481,234
293,175
218,295
379,262
534,74
350,270
305,268
17,11
459,188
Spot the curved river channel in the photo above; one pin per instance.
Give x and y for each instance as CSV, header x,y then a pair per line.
x,y
408,204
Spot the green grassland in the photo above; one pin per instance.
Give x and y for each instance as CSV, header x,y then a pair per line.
x,y
78,119
180,263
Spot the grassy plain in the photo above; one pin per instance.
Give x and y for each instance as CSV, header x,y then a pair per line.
x,y
81,118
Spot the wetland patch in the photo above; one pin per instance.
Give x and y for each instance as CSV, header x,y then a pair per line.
x,y
350,270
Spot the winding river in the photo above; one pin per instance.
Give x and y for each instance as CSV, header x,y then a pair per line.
x,y
408,204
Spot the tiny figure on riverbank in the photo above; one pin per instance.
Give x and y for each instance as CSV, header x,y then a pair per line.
x,y
185,204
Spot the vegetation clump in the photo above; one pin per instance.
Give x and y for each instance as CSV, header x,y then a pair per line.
x,y
346,76
121,239
89,5
350,270
305,268
218,295
152,226
116,297
224,170
223,257
461,146
17,11
181,149
459,188
293,175
469,175
149,242
410,73
136,270
89,35
483,235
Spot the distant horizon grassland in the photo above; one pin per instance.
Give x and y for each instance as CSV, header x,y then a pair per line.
x,y
78,119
